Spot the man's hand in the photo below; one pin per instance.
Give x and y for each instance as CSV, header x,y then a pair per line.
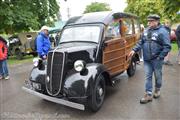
x,y
131,53
44,56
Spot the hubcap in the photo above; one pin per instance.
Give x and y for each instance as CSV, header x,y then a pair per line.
x,y
134,65
100,91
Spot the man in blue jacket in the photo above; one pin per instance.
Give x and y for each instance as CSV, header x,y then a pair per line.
x,y
155,44
43,43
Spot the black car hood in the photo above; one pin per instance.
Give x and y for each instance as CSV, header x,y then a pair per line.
x,y
75,46
78,50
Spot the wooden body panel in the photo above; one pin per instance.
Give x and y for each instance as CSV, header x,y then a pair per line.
x,y
115,53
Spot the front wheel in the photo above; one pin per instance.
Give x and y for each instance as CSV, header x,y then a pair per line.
x,y
98,93
132,68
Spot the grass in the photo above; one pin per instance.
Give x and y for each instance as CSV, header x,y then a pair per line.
x,y
174,47
12,60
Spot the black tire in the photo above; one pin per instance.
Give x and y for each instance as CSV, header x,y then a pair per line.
x,y
96,100
132,68
35,54
19,55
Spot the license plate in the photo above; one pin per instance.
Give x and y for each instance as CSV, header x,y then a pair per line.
x,y
36,86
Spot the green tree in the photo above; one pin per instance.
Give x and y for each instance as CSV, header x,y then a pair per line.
x,y
23,15
96,7
143,8
171,7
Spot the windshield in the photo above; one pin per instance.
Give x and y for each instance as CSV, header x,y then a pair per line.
x,y
81,33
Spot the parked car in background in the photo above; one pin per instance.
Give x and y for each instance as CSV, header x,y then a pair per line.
x,y
22,44
92,50
53,36
173,35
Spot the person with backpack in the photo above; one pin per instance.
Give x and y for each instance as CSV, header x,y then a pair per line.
x,y
178,42
43,44
4,74
168,28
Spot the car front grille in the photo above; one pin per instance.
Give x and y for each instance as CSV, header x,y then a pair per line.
x,y
54,72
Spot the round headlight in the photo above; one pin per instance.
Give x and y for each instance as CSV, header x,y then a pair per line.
x,y
79,65
35,62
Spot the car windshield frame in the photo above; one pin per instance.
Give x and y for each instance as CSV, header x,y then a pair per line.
x,y
81,31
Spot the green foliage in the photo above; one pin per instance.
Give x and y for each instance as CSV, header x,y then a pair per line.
x,y
23,15
167,9
96,7
171,7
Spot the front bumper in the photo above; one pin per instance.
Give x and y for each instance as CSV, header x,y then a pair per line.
x,y
54,99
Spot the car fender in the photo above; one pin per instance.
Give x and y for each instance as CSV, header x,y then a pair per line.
x,y
37,75
81,84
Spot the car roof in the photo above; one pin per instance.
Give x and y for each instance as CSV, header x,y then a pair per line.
x,y
98,17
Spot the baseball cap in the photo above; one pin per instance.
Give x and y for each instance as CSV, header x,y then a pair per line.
x,y
44,28
153,17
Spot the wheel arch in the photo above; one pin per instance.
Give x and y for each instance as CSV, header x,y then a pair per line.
x,y
88,80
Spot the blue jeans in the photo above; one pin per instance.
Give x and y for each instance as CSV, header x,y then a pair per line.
x,y
3,68
153,67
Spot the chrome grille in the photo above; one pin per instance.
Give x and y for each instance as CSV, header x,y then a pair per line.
x,y
54,72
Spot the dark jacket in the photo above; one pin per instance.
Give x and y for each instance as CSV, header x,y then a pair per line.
x,y
3,49
168,29
155,43
178,32
43,44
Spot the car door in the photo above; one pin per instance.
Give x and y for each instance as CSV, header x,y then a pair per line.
x,y
117,47
114,50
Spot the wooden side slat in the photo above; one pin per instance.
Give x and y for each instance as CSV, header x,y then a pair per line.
x,y
115,54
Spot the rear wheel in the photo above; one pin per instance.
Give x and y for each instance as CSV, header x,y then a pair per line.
x,y
98,93
34,54
132,68
19,54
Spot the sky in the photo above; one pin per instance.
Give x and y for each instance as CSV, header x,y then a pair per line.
x,y
77,7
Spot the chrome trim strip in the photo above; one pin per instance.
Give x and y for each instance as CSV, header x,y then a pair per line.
x,y
50,92
56,100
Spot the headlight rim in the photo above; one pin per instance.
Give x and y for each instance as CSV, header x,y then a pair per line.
x,y
78,64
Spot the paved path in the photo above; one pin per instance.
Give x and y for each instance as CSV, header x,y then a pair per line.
x,y
121,102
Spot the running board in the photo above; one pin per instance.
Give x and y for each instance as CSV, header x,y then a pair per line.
x,y
56,100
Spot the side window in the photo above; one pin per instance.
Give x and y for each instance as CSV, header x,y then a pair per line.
x,y
137,26
128,28
112,30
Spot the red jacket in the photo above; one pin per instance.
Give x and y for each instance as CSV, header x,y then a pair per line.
x,y
3,50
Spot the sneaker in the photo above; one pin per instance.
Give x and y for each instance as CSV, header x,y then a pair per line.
x,y
1,77
156,93
147,98
138,62
6,78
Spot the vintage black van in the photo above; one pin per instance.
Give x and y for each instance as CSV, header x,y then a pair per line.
x,y
93,49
